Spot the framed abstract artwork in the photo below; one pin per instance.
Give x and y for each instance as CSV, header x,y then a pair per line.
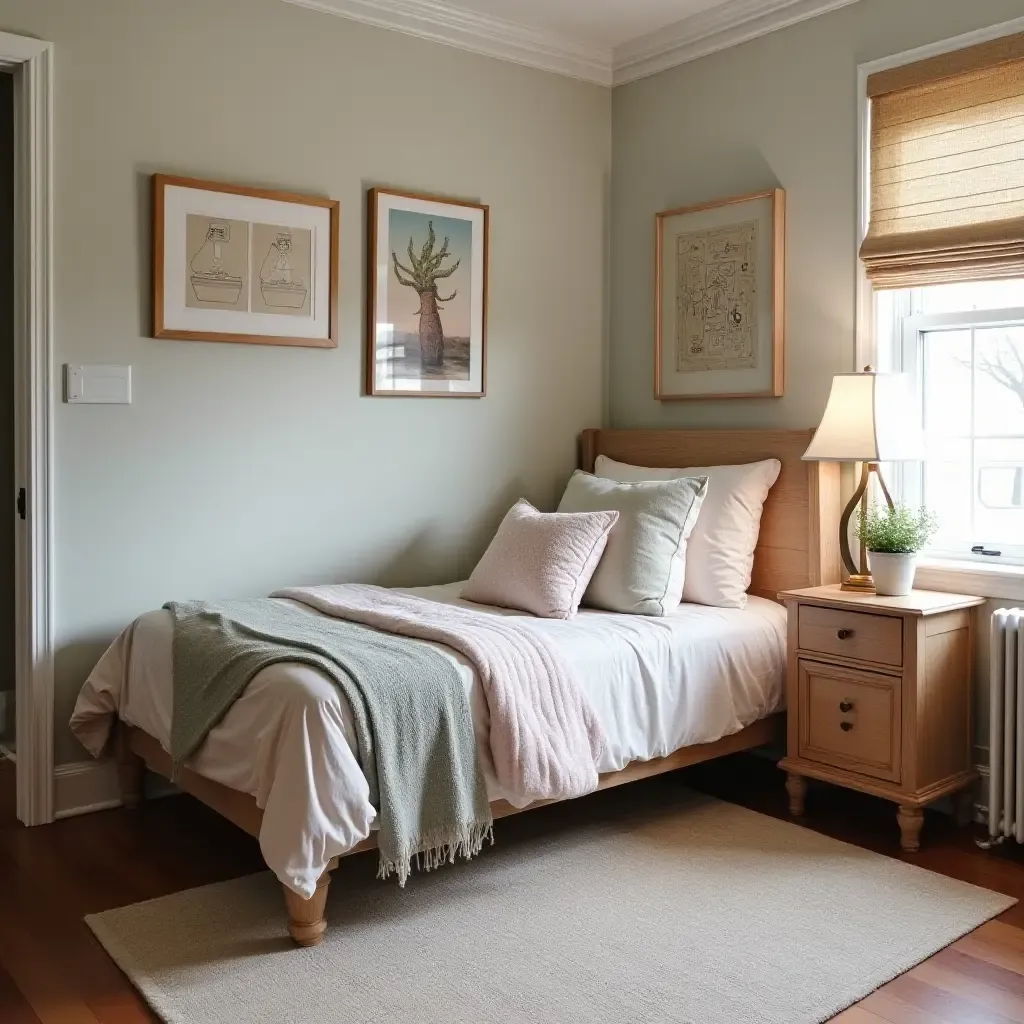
x,y
720,299
426,296
243,264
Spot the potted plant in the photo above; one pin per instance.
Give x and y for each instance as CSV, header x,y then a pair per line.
x,y
893,537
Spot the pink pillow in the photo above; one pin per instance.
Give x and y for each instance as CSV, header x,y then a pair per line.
x,y
540,562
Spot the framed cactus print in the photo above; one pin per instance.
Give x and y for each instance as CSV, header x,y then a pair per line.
x,y
427,296
232,263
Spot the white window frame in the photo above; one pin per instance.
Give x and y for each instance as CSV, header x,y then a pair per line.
x,y
908,478
964,575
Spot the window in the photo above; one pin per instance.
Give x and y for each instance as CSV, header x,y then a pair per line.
x,y
963,345
943,250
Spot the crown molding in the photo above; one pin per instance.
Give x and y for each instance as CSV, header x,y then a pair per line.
x,y
478,33
729,24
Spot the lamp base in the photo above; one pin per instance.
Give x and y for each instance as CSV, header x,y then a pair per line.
x,y
859,583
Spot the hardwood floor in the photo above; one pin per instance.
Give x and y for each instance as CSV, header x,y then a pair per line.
x,y
977,980
52,971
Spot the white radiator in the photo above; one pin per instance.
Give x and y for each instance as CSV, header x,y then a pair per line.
x,y
1006,725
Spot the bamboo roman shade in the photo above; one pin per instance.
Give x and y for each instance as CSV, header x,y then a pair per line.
x,y
947,168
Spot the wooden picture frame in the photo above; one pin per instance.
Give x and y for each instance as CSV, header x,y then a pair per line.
x,y
726,358
427,363
277,283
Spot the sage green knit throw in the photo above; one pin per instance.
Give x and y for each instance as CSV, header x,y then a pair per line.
x,y
412,719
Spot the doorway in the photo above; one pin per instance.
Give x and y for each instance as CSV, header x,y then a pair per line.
x,y
26,322
7,444
8,585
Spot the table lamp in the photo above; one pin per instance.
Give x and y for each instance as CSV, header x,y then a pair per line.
x,y
870,418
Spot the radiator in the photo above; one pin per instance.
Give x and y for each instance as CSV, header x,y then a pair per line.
x,y
1006,725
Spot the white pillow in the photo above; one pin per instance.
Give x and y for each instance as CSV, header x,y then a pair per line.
x,y
540,562
720,556
644,563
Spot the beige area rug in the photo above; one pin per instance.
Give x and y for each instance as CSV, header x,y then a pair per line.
x,y
699,912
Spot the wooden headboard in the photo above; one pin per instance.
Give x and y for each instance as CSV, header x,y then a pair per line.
x,y
799,541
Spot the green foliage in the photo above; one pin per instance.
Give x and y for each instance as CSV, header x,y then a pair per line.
x,y
901,530
424,271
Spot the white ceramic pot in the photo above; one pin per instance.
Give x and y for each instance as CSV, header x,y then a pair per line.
x,y
893,574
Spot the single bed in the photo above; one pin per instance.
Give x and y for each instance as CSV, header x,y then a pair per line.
x,y
696,684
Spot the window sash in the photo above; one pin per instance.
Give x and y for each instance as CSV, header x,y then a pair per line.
x,y
908,328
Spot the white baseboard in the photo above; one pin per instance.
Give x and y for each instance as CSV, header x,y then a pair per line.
x,y
85,786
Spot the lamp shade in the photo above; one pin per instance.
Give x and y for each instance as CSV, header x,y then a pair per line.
x,y
870,417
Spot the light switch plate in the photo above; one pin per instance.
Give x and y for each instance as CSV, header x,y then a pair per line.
x,y
98,385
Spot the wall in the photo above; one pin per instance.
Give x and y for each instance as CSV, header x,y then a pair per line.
x,y
779,110
6,404
241,468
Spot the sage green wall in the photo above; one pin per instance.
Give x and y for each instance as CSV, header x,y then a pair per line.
x,y
779,110
241,468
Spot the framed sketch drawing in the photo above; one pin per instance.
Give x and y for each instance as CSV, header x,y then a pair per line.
x,y
720,299
427,296
243,264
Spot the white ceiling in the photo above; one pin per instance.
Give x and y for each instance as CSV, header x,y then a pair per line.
x,y
604,41
607,23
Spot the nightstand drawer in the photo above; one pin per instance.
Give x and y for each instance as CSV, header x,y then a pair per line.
x,y
874,638
850,719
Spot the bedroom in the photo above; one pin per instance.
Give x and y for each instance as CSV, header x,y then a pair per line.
x,y
239,469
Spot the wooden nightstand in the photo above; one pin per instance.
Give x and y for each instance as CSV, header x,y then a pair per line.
x,y
879,695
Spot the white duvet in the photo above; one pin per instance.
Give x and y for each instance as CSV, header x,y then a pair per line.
x,y
657,684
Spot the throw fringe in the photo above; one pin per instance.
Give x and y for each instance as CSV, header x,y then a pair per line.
x,y
436,848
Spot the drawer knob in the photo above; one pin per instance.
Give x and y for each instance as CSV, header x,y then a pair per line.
x,y
846,706
844,634
846,726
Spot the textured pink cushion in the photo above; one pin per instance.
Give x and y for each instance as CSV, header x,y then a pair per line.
x,y
540,562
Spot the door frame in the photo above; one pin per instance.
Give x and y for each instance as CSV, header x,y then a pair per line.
x,y
31,62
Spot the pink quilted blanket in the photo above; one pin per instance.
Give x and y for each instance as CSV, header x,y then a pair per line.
x,y
545,737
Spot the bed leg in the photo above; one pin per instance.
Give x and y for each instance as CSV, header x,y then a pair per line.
x,y
306,923
131,770
796,787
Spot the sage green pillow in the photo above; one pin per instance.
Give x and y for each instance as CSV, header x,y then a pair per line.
x,y
644,562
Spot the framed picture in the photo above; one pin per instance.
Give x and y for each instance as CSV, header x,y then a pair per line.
x,y
243,264
720,299
427,296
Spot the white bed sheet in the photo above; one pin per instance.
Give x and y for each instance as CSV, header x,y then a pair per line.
x,y
656,684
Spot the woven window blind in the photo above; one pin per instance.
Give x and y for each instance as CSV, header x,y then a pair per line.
x,y
947,168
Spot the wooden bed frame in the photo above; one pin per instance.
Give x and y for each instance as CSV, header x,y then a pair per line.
x,y
797,547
